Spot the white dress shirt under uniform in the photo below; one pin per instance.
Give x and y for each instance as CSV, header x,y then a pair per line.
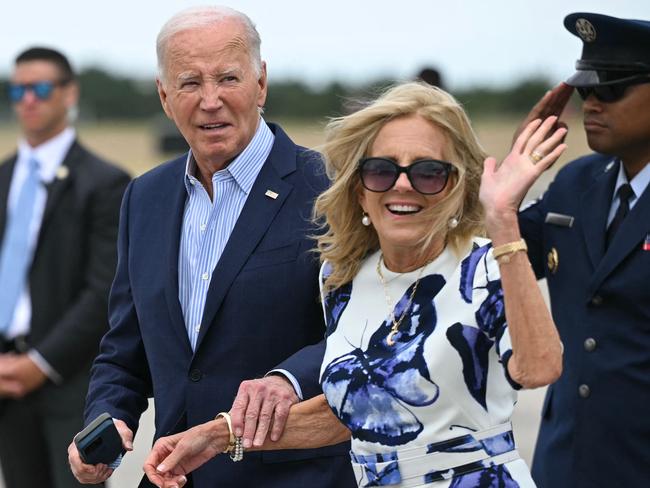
x,y
639,183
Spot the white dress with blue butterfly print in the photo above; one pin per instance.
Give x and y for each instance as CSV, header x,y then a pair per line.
x,y
434,408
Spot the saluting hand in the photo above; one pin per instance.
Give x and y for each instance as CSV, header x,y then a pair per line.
x,y
552,103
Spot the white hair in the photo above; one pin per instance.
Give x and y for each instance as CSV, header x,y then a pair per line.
x,y
196,17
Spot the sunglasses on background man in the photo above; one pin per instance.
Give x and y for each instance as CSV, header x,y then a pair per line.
x,y
427,176
42,89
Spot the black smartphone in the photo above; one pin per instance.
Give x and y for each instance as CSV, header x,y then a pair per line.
x,y
99,442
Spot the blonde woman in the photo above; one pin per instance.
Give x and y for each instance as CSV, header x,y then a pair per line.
x,y
431,329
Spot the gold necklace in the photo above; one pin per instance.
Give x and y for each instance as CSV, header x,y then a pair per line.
x,y
396,322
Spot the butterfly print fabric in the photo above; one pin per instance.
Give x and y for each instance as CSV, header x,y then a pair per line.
x,y
443,381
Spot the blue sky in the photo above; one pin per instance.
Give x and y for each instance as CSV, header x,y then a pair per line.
x,y
473,42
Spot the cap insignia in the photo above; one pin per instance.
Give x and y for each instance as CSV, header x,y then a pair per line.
x,y
586,30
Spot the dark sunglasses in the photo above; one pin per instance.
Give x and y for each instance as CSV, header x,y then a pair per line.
x,y
427,176
42,89
611,93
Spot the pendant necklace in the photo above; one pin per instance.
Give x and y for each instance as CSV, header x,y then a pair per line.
x,y
396,322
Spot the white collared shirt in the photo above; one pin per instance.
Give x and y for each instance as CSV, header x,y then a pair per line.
x,y
639,183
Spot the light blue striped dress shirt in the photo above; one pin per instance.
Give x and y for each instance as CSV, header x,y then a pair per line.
x,y
207,224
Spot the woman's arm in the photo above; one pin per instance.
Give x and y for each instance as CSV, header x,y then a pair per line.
x,y
310,424
536,348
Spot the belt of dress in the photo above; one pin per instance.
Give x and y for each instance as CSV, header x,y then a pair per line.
x,y
439,461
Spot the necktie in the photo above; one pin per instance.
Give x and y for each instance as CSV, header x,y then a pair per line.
x,y
15,254
624,193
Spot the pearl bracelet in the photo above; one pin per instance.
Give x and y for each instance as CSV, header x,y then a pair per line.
x,y
235,448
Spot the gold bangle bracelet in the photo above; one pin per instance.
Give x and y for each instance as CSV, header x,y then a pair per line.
x,y
503,251
231,442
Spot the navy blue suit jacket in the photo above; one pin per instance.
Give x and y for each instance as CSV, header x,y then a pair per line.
x,y
262,311
595,429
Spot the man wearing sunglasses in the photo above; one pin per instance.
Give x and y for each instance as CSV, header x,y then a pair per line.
x,y
590,237
59,207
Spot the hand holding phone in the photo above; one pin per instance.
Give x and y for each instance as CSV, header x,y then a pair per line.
x,y
100,442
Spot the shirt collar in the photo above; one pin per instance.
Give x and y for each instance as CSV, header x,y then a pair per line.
x,y
639,183
245,167
50,155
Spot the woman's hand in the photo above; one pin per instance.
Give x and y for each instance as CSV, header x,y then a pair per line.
x,y
503,187
173,457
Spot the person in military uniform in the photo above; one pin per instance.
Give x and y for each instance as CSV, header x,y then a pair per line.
x,y
589,235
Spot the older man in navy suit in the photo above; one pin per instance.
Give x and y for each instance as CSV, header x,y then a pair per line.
x,y
590,237
215,281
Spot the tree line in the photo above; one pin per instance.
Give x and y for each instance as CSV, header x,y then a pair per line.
x,y
106,96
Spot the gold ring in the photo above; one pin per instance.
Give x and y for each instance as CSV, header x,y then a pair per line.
x,y
536,157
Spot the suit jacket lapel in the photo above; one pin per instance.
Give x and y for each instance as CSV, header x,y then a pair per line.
x,y
174,209
6,172
55,189
595,208
629,235
253,222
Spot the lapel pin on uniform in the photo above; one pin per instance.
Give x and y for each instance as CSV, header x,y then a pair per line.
x,y
646,242
271,194
62,172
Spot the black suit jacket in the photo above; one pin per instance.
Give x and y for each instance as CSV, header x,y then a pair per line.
x,y
74,260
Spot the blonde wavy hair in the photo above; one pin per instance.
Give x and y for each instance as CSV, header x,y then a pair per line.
x,y
344,242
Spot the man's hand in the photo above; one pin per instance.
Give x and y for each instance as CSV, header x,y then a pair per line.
x,y
552,103
90,474
19,375
260,405
173,457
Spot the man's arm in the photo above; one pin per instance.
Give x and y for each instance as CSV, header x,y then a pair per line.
x,y
264,404
120,380
531,225
551,104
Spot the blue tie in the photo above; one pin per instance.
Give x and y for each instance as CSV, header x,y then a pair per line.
x,y
15,255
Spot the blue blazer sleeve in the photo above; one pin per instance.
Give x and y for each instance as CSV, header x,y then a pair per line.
x,y
120,380
305,366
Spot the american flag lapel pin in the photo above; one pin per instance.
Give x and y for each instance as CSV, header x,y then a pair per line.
x,y
646,242
271,194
